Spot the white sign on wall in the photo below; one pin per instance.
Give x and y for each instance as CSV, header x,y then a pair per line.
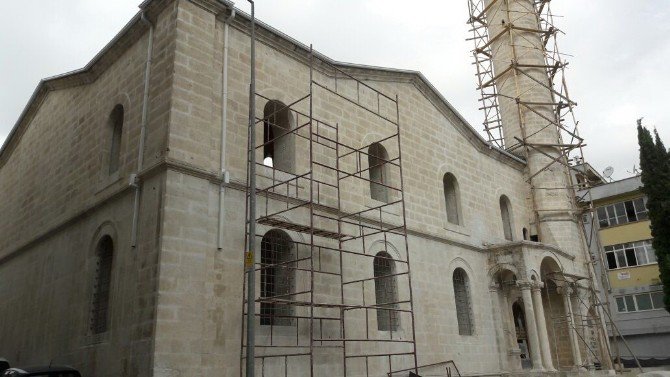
x,y
623,275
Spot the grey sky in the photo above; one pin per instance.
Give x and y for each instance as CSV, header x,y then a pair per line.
x,y
619,52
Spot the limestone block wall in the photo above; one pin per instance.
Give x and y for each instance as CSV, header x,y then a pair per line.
x,y
60,165
200,305
47,288
58,196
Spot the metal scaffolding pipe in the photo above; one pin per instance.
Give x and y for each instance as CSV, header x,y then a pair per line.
x,y
249,257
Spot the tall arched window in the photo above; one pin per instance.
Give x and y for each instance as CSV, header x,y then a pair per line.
x,y
116,125
386,292
452,198
104,256
463,302
277,278
279,146
379,174
506,216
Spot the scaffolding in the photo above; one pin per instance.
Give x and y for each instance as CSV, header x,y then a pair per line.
x,y
335,288
568,148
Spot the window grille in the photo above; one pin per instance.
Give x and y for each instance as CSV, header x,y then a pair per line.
x,y
379,175
386,292
463,304
277,279
102,286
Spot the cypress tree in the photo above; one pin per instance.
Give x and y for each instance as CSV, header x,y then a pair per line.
x,y
655,165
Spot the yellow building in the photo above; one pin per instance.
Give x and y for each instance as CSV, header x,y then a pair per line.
x,y
622,248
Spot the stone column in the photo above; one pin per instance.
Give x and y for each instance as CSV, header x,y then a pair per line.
x,y
542,327
508,330
531,325
572,331
499,325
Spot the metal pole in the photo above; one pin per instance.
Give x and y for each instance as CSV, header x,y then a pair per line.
x,y
249,257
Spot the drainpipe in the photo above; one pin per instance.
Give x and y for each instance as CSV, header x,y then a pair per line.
x,y
134,180
224,127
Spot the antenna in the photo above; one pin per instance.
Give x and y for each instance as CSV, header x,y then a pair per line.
x,y
634,172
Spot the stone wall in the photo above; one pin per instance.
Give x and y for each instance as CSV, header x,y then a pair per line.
x,y
59,199
177,301
200,304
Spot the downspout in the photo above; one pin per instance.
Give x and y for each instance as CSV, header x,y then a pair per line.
x,y
134,180
225,176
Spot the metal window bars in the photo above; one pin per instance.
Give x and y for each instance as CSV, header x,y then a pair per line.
x,y
318,279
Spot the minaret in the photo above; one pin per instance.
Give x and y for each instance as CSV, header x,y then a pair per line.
x,y
528,108
528,112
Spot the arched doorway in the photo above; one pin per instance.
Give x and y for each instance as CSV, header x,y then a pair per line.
x,y
558,328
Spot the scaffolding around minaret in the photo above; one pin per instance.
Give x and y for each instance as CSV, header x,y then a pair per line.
x,y
528,112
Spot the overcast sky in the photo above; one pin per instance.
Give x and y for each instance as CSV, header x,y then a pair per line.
x,y
619,52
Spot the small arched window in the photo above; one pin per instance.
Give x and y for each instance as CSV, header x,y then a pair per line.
x,y
277,278
463,302
379,174
104,256
506,216
386,292
452,198
278,143
115,122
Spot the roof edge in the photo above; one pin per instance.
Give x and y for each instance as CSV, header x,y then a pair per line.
x,y
88,74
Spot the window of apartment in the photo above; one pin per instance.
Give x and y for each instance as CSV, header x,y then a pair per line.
x,y
386,292
278,143
451,198
277,278
379,175
622,212
630,254
640,302
104,255
463,302
116,124
506,216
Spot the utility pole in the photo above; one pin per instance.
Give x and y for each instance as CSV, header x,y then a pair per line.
x,y
249,257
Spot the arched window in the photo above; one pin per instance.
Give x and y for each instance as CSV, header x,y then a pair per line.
x,y
452,198
506,216
104,255
386,292
116,125
277,278
279,145
377,157
463,302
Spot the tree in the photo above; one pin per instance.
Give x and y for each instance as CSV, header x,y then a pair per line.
x,y
655,165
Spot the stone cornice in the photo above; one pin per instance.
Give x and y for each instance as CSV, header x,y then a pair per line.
x,y
213,6
168,164
528,245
